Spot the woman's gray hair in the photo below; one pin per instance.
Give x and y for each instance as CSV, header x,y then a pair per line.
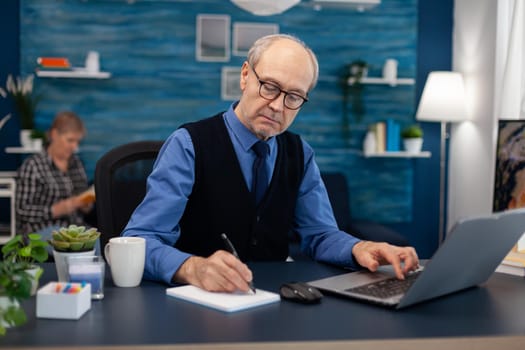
x,y
262,44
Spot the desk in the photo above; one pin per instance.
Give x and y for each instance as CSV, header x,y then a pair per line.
x,y
487,317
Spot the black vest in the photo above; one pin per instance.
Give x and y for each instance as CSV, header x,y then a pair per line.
x,y
221,202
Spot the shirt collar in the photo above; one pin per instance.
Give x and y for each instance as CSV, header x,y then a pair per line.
x,y
243,135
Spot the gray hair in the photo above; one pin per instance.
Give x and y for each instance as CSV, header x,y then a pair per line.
x,y
262,44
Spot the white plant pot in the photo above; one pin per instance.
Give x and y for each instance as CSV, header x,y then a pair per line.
x,y
34,271
25,138
413,145
37,144
6,303
61,262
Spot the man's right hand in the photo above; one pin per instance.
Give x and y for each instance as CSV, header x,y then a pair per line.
x,y
220,272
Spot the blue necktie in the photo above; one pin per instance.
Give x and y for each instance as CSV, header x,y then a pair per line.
x,y
260,174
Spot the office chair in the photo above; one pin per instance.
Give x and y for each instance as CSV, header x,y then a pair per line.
x,y
339,196
120,184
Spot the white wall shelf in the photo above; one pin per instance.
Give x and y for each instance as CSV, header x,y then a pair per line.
x,y
399,154
382,81
79,73
22,150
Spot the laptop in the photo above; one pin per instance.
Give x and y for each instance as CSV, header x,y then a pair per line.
x,y
471,252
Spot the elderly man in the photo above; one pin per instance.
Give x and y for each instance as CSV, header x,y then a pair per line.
x,y
243,174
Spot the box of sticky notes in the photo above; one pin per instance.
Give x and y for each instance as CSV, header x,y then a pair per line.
x,y
63,300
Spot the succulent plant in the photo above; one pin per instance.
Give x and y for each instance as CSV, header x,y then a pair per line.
x,y
74,239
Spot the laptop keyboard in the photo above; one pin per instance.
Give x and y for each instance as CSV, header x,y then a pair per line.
x,y
386,288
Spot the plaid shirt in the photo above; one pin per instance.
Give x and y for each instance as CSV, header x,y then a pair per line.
x,y
40,184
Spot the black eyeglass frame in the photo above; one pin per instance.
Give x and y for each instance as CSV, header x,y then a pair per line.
x,y
286,93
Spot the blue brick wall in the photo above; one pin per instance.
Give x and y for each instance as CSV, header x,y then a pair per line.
x,y
157,84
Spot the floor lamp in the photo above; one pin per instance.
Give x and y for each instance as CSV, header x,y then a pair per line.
x,y
443,100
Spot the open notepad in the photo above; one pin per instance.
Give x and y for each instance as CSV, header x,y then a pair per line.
x,y
228,302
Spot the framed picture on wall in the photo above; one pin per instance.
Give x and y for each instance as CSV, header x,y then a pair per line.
x,y
509,181
245,34
213,38
230,88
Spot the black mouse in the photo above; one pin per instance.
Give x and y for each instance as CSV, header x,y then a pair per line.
x,y
300,292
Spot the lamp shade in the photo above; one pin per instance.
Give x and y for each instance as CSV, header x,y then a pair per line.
x,y
265,7
443,98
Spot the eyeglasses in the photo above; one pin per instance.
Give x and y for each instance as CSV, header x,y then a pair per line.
x,y
270,91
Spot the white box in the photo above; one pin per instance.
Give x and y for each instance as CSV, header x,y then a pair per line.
x,y
51,303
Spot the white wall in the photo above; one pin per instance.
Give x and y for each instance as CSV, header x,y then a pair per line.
x,y
472,143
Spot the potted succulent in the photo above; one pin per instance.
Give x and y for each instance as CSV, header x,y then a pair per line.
x,y
72,241
29,249
15,286
412,138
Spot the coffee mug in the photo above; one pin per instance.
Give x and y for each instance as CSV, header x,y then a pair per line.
x,y
125,257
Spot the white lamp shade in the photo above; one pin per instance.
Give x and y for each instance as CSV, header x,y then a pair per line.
x,y
443,98
265,7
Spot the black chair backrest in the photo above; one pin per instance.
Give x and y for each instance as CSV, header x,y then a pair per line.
x,y
338,194
120,184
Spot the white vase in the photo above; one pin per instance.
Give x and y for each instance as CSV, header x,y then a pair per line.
x,y
413,145
369,144
61,262
25,138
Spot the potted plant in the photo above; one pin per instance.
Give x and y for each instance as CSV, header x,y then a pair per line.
x,y
72,241
412,138
38,138
15,286
21,91
29,249
353,91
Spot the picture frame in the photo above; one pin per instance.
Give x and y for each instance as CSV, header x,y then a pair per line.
x,y
509,179
213,38
246,33
230,88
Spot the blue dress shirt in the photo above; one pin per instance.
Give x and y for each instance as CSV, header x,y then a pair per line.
x,y
170,184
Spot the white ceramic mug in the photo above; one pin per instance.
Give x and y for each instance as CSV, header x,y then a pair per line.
x,y
125,256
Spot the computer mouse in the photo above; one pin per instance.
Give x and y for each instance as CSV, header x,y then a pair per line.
x,y
300,292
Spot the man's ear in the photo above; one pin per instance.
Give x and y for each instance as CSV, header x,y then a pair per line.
x,y
244,75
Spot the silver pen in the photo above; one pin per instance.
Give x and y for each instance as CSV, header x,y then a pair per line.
x,y
232,250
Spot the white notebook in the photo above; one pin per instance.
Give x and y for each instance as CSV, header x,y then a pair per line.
x,y
228,302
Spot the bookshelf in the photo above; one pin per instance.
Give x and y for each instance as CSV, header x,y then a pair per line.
x,y
382,81
398,154
79,73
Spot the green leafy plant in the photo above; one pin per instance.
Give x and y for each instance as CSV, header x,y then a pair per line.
x,y
38,134
352,89
412,132
15,285
74,239
26,248
21,91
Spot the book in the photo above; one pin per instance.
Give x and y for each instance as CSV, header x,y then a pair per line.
x,y
380,137
227,302
393,130
513,263
53,62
